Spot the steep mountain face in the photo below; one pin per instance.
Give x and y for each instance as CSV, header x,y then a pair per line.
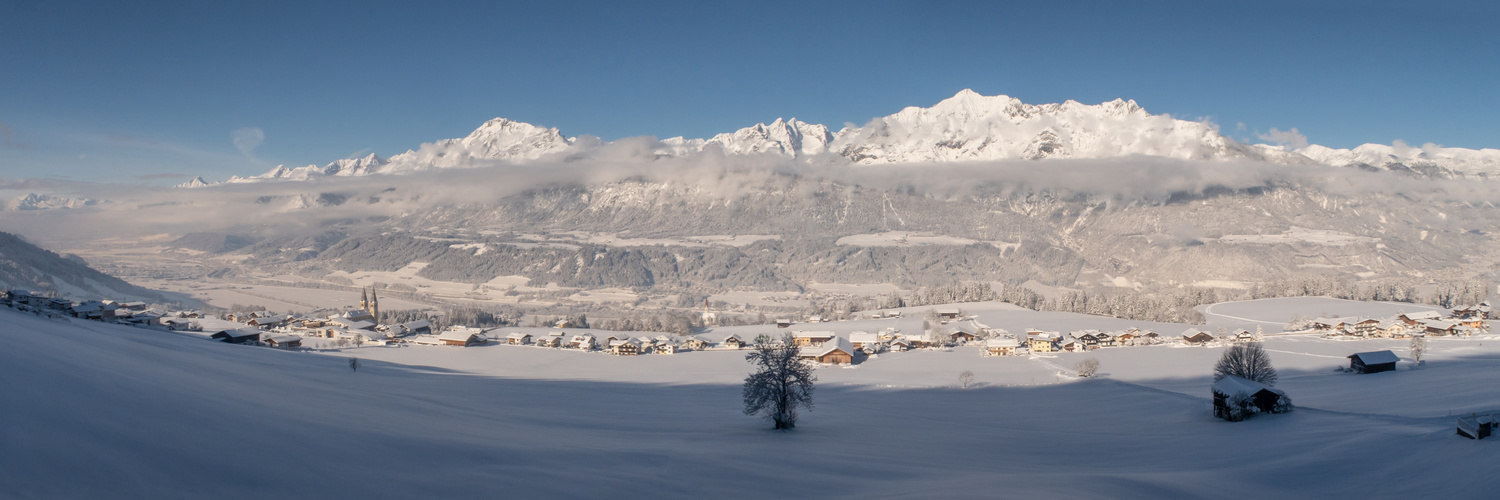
x,y
34,201
26,266
965,127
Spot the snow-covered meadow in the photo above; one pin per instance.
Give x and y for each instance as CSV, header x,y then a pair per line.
x,y
95,410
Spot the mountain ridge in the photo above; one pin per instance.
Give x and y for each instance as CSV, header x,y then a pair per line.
x,y
965,127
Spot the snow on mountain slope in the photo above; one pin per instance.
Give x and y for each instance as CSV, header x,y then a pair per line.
x,y
196,182
965,127
35,201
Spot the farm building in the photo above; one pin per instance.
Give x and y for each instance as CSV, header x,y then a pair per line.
x,y
865,341
462,337
1196,337
806,339
418,327
836,351
283,341
1261,398
1477,426
783,323
240,336
1373,362
947,312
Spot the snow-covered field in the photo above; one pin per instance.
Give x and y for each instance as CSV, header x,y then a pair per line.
x,y
102,411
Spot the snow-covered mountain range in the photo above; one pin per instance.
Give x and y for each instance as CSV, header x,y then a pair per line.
x,y
965,127
34,201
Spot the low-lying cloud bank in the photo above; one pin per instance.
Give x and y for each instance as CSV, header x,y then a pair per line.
x,y
270,206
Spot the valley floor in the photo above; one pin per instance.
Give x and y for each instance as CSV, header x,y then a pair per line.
x,y
102,411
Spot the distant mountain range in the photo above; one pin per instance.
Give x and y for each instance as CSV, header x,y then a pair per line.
x,y
965,127
34,201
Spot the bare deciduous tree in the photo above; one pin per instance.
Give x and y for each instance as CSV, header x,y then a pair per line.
x,y
966,379
353,364
1247,361
1088,367
782,381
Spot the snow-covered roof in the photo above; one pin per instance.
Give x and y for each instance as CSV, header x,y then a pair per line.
x,y
1376,357
1418,316
813,335
418,324
359,325
733,337
1439,324
864,338
1002,342
1191,332
280,339
1232,385
518,335
242,332
458,334
837,344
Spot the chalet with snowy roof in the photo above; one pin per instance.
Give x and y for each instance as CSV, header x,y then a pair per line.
x,y
835,351
1089,339
806,339
732,342
269,321
947,312
1389,328
1196,337
898,345
1416,318
1373,362
783,323
553,339
624,347
132,306
1073,344
864,341
1001,346
1105,339
963,332
462,337
1126,337
281,341
1440,327
1243,336
1366,327
518,338
1262,398
418,327
695,343
239,336
585,342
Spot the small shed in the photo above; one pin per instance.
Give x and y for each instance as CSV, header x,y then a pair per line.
x,y
1477,426
1373,362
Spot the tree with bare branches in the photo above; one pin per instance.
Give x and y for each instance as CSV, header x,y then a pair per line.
x,y
1247,361
782,381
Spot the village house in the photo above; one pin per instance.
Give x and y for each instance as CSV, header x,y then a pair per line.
x,y
624,347
1041,342
518,338
239,336
732,342
1001,346
806,339
586,342
553,339
269,321
666,347
1440,327
834,351
1366,327
947,313
461,336
898,345
281,341
963,332
783,323
695,343
865,341
1074,344
1196,337
1373,362
1416,318
1262,397
1126,337
1243,336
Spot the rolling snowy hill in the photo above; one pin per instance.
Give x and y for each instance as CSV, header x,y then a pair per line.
x,y
27,266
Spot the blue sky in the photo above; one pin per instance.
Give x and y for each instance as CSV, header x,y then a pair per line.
x,y
154,91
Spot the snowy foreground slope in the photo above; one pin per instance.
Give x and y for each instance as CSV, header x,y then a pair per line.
x,y
99,411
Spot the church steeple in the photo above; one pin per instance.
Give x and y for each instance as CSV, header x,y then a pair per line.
x,y
374,308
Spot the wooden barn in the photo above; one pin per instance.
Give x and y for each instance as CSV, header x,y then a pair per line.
x,y
1264,398
1477,426
1199,338
462,337
1373,362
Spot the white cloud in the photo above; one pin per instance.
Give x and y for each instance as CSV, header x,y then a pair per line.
x,y
1291,138
247,139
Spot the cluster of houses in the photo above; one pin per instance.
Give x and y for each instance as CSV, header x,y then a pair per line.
x,y
132,313
1464,321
